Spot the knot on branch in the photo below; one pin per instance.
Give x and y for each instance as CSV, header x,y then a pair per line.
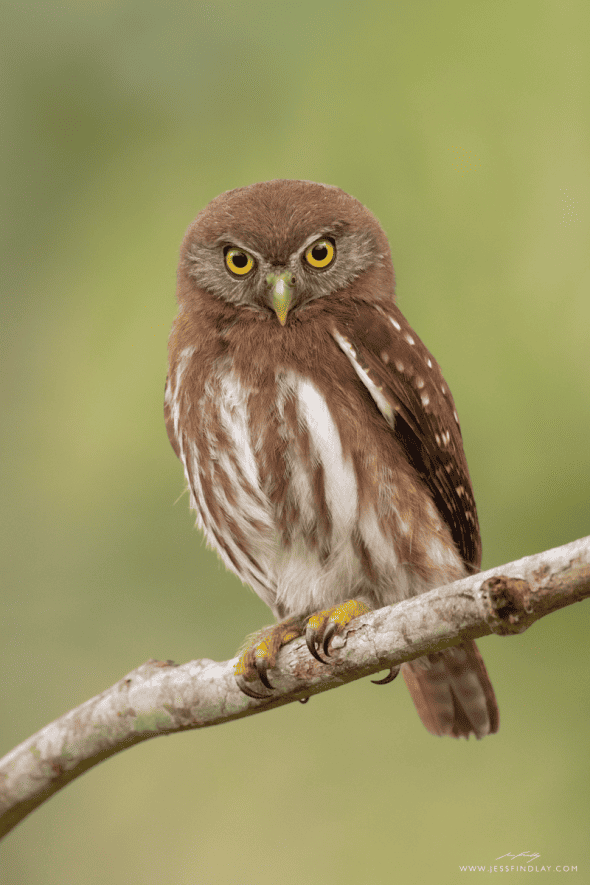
x,y
509,604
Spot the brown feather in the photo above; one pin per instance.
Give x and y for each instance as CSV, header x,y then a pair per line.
x,y
453,693
424,416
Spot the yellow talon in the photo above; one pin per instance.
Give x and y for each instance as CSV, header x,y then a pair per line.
x,y
323,625
260,651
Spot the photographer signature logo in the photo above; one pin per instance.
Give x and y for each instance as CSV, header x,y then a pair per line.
x,y
524,862
528,854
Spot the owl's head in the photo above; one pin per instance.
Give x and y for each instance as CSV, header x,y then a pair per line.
x,y
276,246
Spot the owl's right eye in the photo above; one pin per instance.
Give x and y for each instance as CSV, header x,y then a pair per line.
x,y
238,262
321,254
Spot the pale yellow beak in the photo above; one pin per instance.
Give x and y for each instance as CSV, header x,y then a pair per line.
x,y
282,291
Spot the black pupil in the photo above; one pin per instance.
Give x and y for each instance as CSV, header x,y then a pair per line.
x,y
320,253
240,259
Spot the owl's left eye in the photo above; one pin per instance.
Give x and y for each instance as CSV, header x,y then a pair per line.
x,y
238,262
321,254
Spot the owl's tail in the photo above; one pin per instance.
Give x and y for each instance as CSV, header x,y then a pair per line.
x,y
453,693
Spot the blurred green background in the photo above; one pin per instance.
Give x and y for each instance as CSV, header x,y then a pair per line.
x,y
465,127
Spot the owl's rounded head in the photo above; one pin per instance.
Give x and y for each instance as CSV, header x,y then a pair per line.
x,y
276,246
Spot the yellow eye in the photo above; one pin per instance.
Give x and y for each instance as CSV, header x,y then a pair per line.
x,y
239,262
320,254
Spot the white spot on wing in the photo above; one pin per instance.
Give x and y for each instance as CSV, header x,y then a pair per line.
x,y
375,391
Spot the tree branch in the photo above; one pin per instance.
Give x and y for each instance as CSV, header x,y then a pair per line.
x,y
161,697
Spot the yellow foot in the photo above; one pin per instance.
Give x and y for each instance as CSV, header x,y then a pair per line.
x,y
260,655
323,625
260,652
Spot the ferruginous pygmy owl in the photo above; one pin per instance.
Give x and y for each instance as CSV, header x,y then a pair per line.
x,y
319,439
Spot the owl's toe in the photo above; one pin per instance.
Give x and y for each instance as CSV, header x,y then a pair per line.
x,y
393,672
322,626
247,689
316,637
262,664
259,655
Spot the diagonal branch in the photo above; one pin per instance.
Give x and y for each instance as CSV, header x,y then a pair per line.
x,y
160,697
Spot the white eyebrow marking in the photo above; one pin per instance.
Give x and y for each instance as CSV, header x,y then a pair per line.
x,y
239,244
308,242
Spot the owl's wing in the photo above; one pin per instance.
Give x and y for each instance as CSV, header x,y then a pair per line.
x,y
408,388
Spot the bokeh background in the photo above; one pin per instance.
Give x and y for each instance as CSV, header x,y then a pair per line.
x,y
465,127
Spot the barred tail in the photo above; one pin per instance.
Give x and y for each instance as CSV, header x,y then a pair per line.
x,y
453,693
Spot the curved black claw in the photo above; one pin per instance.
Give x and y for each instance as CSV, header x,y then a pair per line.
x,y
328,633
310,635
393,672
245,688
261,665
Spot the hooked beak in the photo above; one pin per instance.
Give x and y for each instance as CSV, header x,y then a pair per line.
x,y
282,290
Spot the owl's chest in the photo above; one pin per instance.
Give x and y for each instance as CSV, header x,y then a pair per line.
x,y
276,493
288,446
298,509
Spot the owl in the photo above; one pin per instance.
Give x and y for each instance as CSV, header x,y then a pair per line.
x,y
319,439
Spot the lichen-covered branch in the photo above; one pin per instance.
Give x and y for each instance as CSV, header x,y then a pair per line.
x,y
161,697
